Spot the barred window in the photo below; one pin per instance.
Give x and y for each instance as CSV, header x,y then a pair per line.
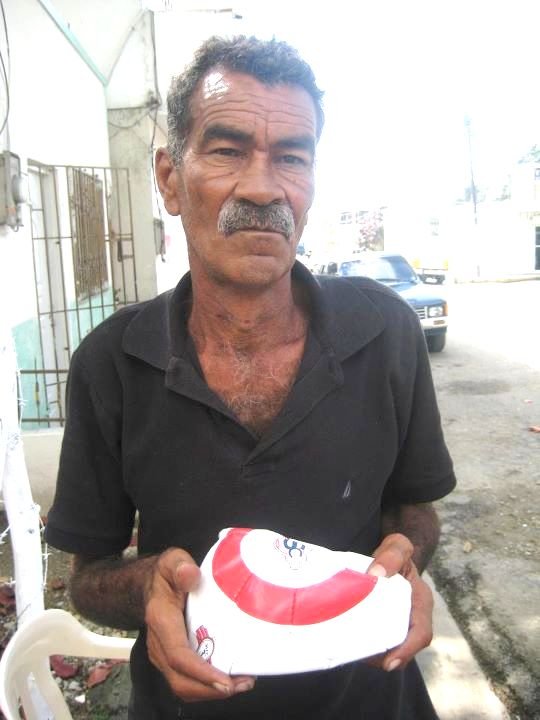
x,y
89,250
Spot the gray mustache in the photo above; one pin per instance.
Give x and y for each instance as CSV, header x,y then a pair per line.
x,y
238,215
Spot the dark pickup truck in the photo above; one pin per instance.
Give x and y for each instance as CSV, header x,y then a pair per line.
x,y
393,270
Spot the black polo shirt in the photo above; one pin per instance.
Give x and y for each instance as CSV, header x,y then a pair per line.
x,y
360,429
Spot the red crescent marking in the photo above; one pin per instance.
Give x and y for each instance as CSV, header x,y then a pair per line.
x,y
284,605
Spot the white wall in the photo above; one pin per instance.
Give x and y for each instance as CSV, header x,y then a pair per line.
x,y
57,116
525,187
58,111
132,81
103,27
17,291
131,148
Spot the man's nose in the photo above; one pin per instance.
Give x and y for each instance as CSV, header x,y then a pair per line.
x,y
259,183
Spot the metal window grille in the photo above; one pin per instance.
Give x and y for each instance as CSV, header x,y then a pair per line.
x,y
84,269
90,258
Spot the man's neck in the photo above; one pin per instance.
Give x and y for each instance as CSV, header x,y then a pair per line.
x,y
225,319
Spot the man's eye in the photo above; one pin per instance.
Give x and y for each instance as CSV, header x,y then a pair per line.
x,y
294,160
226,151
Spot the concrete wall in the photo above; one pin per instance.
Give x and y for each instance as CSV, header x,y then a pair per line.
x,y
103,28
58,116
131,148
57,105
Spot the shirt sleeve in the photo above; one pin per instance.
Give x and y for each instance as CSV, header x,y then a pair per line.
x,y
423,471
91,513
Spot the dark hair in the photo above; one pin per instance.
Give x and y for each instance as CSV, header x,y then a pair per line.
x,y
273,62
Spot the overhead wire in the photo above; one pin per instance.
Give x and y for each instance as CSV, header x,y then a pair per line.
x,y
6,86
145,109
131,29
162,249
5,73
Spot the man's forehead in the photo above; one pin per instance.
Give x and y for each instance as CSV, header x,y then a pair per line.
x,y
223,93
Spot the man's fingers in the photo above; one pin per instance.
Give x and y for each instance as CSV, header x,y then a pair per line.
x,y
189,676
179,569
187,576
419,637
420,628
392,556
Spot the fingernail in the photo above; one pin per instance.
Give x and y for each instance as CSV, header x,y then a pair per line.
x,y
225,689
377,570
244,686
393,665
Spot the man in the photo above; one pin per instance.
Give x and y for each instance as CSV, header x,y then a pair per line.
x,y
252,395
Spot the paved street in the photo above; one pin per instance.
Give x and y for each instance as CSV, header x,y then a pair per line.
x,y
487,567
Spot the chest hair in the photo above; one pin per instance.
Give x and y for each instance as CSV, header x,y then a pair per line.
x,y
255,387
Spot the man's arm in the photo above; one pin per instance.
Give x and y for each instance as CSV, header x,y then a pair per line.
x,y
152,591
411,533
420,524
110,591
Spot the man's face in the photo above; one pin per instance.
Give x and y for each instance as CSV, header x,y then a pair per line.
x,y
245,184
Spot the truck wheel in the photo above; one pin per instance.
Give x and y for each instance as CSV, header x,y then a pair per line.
x,y
436,343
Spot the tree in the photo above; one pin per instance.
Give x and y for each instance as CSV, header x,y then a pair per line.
x,y
533,155
371,230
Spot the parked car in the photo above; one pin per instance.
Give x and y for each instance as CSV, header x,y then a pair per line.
x,y
393,270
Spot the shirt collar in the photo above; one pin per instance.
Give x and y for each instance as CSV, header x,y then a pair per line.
x,y
343,318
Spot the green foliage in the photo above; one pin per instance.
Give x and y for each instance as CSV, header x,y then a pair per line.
x,y
99,714
533,155
371,230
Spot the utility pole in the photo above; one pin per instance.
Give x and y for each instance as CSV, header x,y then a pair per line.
x,y
473,186
474,197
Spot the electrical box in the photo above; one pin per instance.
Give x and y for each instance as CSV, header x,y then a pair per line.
x,y
12,192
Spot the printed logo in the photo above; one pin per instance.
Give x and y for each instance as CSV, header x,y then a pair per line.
x,y
293,551
205,647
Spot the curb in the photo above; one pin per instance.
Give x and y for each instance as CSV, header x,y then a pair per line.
x,y
457,686
504,279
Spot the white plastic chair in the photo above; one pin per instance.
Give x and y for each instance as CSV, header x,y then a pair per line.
x,y
25,677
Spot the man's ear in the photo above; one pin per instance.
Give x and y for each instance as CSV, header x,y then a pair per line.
x,y
167,180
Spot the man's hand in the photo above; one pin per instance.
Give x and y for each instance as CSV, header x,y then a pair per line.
x,y
394,555
190,677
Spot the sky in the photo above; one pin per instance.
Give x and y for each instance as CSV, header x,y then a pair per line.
x,y
400,77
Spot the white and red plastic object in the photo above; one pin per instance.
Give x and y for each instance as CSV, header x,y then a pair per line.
x,y
272,605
